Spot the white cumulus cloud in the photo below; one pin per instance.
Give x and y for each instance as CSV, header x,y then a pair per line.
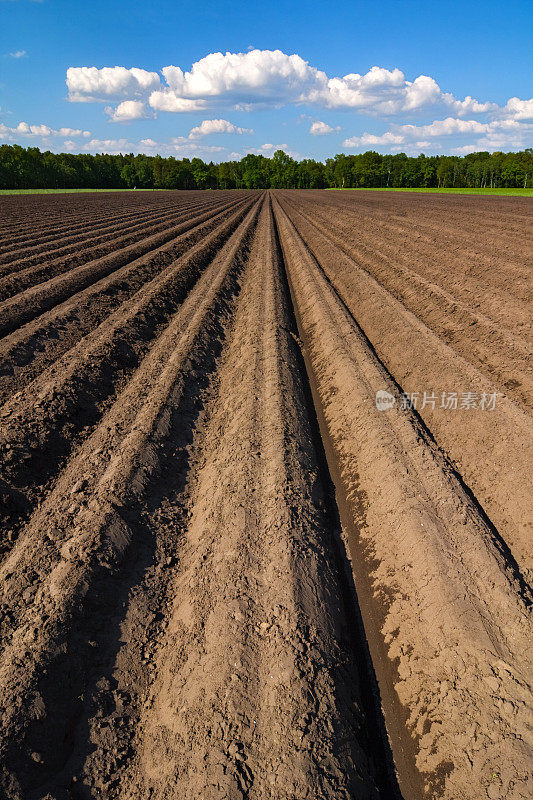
x,y
497,134
111,146
369,139
272,77
43,131
209,126
320,128
87,84
254,77
72,132
518,109
34,130
267,77
126,111
18,54
379,91
166,100
468,105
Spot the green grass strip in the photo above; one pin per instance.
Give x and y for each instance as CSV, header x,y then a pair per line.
x,y
487,192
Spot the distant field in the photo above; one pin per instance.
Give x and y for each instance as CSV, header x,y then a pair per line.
x,y
510,192
71,191
497,192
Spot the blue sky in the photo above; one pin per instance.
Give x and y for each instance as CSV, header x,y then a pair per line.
x,y
317,79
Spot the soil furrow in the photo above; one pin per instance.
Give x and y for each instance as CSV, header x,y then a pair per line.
x,y
442,216
53,246
160,249
501,354
491,280
255,695
451,613
42,425
49,267
483,445
422,258
79,223
29,350
84,211
264,497
73,549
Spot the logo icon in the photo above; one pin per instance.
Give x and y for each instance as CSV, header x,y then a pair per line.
x,y
384,400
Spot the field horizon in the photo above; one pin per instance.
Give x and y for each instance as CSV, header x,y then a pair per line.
x,y
421,190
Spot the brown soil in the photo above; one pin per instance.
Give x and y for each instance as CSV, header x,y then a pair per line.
x,y
224,573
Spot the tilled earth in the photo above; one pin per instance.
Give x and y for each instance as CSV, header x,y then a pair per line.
x,y
226,570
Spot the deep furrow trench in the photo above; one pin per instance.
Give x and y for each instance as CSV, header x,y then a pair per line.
x,y
399,768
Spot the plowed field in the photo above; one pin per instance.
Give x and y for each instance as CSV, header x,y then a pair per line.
x,y
265,496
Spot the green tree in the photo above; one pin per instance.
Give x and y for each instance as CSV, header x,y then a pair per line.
x,y
30,168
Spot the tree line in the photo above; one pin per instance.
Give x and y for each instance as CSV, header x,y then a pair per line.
x,y
29,168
